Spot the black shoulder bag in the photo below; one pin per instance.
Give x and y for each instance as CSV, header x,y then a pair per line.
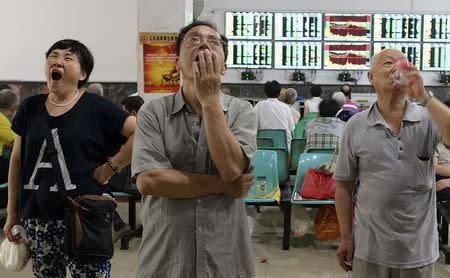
x,y
88,219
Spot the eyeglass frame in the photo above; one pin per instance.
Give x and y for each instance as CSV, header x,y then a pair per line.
x,y
208,39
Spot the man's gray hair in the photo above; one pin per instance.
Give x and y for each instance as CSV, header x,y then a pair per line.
x,y
339,97
8,99
95,88
290,94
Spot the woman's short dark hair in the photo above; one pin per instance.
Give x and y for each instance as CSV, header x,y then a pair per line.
x,y
272,89
196,23
346,93
132,103
316,91
328,108
83,53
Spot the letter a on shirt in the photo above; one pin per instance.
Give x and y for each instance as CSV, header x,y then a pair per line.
x,y
62,163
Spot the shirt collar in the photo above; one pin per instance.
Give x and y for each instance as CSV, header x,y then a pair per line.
x,y
412,114
179,102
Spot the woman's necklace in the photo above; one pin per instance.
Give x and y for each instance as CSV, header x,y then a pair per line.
x,y
63,104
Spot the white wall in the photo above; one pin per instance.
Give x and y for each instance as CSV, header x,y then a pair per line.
x,y
214,11
108,27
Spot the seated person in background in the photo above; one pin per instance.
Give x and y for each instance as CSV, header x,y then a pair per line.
x,y
442,168
325,131
349,105
9,100
340,98
290,95
95,88
132,104
312,105
274,114
342,114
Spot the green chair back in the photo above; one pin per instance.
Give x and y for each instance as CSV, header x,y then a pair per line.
x,y
311,115
328,151
265,171
282,164
262,142
297,148
278,136
309,160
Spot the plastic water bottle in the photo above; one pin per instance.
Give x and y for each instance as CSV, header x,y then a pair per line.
x,y
401,73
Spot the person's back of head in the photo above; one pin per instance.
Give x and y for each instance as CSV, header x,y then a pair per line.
x,y
9,100
95,88
346,89
328,108
132,104
316,91
290,94
272,89
340,98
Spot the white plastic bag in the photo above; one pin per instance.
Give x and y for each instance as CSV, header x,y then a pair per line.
x,y
300,221
14,256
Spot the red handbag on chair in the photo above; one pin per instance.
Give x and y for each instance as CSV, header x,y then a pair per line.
x,y
318,184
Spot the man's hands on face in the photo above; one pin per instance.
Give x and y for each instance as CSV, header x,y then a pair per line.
x,y
416,88
207,77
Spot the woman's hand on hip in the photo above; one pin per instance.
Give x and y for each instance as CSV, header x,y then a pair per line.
x,y
103,173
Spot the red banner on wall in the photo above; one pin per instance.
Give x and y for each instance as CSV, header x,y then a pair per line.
x,y
160,53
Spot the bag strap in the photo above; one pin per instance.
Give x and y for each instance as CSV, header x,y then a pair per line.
x,y
53,154
334,155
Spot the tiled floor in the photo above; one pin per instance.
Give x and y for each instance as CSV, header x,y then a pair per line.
x,y
306,258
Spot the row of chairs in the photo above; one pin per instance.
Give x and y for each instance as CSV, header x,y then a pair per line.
x,y
266,168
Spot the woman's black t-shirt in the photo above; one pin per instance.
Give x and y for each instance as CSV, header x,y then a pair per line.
x,y
87,134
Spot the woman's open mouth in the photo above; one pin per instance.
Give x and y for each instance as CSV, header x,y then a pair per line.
x,y
56,75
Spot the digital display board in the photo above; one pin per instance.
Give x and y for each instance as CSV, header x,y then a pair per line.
x,y
350,27
436,56
397,27
249,54
346,56
412,51
436,28
298,26
248,25
298,55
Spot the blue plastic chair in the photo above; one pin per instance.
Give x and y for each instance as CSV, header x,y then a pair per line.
x,y
278,136
266,169
265,163
297,148
309,160
262,142
282,164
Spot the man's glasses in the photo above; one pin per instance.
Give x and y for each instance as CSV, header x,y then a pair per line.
x,y
197,40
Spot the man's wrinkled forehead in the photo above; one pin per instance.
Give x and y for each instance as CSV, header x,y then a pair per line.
x,y
204,30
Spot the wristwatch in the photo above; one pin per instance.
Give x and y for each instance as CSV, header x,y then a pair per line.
x,y
426,99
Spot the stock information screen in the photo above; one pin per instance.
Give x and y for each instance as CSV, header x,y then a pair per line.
x,y
249,54
298,55
411,50
248,25
396,27
346,56
436,28
350,27
298,26
436,56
